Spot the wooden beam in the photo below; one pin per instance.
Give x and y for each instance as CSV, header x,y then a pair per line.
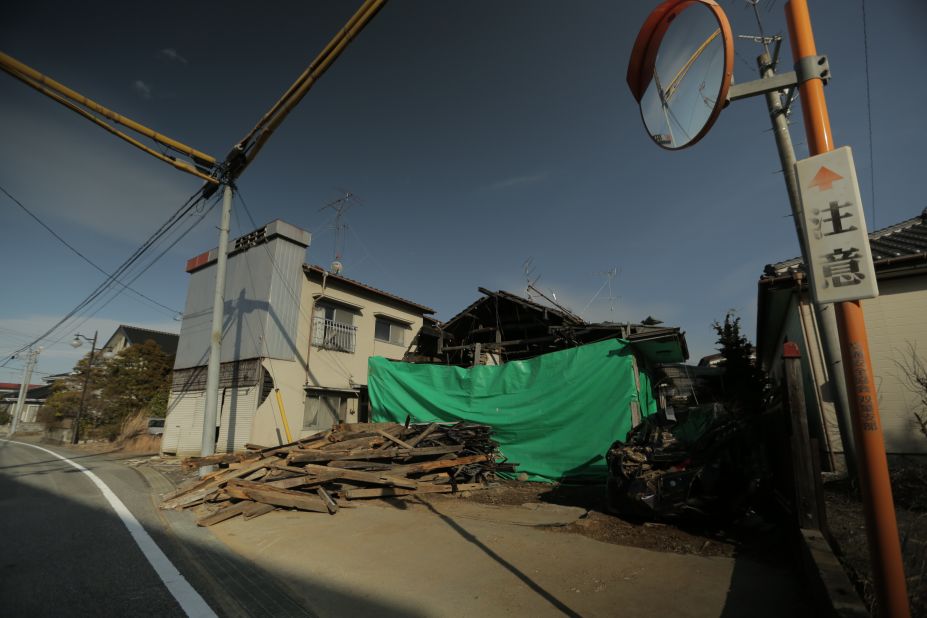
x,y
424,434
386,492
332,506
373,478
314,456
257,509
227,513
394,439
427,466
260,492
212,484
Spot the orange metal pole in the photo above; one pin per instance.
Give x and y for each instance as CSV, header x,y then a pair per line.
x,y
875,486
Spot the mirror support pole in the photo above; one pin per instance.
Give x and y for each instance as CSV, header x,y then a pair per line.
x,y
827,322
875,487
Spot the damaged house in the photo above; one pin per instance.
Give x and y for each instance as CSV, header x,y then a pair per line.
x,y
295,344
556,389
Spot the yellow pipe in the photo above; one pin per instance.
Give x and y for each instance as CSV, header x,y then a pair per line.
x,y
298,90
673,85
286,423
13,66
312,66
182,166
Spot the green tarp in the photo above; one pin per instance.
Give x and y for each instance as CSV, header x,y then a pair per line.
x,y
555,415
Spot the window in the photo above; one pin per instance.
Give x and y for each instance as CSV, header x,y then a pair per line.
x,y
343,317
391,332
323,411
333,328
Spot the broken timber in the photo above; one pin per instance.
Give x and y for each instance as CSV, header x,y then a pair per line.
x,y
320,473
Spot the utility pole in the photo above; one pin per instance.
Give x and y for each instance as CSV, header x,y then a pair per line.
x,y
827,322
24,387
210,413
875,486
76,343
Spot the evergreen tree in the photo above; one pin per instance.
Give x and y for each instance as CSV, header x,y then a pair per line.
x,y
135,380
745,384
138,378
64,401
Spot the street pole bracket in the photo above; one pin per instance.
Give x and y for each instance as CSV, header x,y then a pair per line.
x,y
813,67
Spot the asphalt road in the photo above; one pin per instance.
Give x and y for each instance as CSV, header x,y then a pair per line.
x,y
65,552
63,549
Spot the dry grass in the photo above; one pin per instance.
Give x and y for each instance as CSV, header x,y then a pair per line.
x,y
134,437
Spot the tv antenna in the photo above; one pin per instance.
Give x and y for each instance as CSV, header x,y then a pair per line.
x,y
528,267
340,206
609,276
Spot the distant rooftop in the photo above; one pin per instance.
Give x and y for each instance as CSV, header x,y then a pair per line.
x,y
907,239
135,334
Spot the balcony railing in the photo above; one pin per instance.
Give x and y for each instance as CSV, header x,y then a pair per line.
x,y
330,335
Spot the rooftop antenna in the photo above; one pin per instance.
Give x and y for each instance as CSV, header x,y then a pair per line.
x,y
340,206
759,25
552,301
528,267
609,275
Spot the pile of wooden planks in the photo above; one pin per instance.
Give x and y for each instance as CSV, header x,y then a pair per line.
x,y
325,471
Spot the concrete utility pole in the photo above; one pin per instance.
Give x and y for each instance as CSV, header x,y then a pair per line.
x,y
24,387
210,413
827,321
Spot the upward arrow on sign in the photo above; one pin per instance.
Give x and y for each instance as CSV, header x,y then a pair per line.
x,y
825,179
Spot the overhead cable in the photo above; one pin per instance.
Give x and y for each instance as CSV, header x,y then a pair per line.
x,y
132,259
81,255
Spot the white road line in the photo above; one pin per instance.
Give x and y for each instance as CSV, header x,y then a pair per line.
x,y
189,599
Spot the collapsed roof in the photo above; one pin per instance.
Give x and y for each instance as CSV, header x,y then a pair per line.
x,y
518,328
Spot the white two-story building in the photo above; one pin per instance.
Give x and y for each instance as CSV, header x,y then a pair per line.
x,y
295,344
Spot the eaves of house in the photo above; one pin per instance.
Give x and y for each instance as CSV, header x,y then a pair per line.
x,y
899,250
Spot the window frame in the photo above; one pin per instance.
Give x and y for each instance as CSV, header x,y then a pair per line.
x,y
392,324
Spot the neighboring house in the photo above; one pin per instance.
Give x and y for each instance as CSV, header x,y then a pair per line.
x,y
130,335
896,322
292,333
36,394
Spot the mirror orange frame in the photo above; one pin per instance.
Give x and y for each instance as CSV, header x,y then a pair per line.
x,y
649,39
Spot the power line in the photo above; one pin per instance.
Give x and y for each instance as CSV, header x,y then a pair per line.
x,y
81,255
165,228
869,115
144,270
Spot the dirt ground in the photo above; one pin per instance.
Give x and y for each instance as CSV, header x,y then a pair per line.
x,y
759,540
434,555
763,542
847,526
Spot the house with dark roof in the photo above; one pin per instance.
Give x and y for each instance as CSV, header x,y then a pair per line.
x,y
295,343
127,335
896,322
500,326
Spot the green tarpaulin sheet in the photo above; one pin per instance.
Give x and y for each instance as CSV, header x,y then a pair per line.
x,y
555,415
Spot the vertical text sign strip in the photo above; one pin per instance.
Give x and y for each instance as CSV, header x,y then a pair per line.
x,y
835,228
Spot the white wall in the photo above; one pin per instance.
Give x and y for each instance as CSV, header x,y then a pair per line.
x,y
897,325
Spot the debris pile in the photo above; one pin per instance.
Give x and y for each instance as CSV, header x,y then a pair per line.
x,y
353,461
705,462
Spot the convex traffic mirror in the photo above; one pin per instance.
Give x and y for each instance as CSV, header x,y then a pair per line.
x,y
680,70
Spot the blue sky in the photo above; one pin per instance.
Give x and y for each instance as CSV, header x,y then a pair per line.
x,y
477,135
